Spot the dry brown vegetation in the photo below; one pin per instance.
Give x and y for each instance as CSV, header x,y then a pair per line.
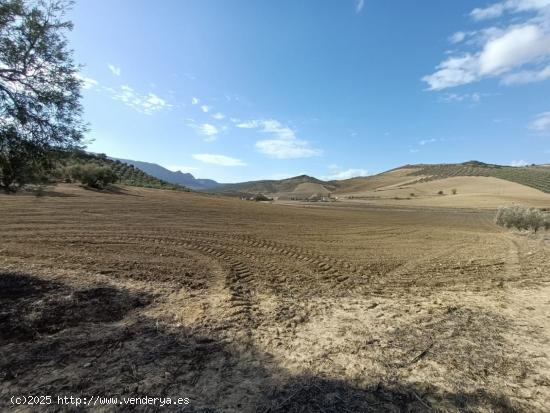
x,y
246,307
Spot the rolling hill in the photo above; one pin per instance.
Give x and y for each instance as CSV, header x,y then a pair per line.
x,y
537,177
472,183
301,186
475,183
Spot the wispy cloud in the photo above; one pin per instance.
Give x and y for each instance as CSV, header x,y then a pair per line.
x,y
205,108
194,100
457,37
541,123
87,82
115,70
359,4
462,97
285,149
502,52
337,173
519,163
208,130
216,159
218,116
514,6
182,168
147,104
489,12
284,143
527,76
427,141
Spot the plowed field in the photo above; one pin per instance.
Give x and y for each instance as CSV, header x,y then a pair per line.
x,y
245,307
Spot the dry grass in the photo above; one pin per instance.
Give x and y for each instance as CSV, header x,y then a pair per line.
x,y
471,192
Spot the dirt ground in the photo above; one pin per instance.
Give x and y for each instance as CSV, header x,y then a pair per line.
x,y
253,307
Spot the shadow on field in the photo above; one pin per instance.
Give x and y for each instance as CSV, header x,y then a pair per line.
x,y
44,193
58,339
111,189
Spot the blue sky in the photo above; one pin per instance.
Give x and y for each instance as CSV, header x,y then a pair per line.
x,y
239,90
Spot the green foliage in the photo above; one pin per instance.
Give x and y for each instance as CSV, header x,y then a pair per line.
x,y
92,175
125,174
522,218
39,90
533,176
261,197
20,163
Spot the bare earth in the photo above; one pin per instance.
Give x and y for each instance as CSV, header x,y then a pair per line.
x,y
246,307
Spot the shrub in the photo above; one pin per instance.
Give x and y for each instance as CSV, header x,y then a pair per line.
x,y
522,218
261,197
412,194
93,176
454,191
440,193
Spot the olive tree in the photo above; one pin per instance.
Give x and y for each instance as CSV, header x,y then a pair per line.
x,y
40,110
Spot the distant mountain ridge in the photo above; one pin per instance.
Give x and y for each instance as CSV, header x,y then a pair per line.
x,y
304,186
177,178
272,187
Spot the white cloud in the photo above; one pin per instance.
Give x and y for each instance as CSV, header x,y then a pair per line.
x,y
490,12
286,149
514,48
284,143
87,82
194,100
218,116
182,168
221,160
337,174
519,163
147,104
457,37
205,108
248,125
427,141
527,76
208,130
501,52
541,123
461,97
513,6
359,4
115,70
453,71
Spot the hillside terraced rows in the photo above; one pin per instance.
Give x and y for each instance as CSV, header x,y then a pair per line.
x,y
534,177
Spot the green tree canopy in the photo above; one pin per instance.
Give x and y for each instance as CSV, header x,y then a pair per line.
x,y
40,106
